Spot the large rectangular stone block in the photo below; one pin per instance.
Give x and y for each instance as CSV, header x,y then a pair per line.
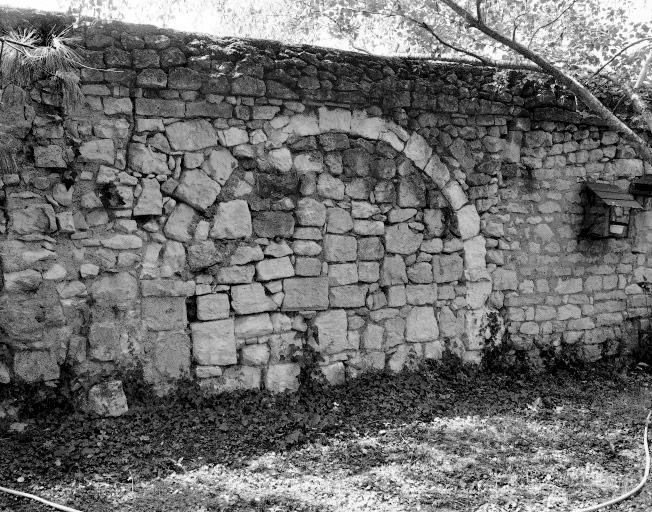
x,y
250,298
164,313
349,296
213,343
305,293
447,268
340,248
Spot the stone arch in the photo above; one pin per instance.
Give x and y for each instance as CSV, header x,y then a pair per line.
x,y
423,156
416,149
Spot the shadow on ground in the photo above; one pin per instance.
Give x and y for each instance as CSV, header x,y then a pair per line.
x,y
422,440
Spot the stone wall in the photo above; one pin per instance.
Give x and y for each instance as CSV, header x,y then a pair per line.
x,y
215,205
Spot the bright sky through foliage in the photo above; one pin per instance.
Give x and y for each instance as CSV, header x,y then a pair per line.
x,y
195,19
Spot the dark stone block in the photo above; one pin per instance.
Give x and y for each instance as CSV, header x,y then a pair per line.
x,y
273,224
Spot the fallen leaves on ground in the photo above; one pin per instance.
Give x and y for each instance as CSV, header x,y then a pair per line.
x,y
431,439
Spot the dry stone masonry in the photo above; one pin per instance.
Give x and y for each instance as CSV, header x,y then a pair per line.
x,y
216,204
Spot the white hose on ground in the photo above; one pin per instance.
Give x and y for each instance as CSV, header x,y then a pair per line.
x,y
640,485
37,498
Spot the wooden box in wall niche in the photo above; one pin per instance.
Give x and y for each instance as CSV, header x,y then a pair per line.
x,y
607,211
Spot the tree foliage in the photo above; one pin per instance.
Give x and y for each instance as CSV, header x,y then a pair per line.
x,y
576,35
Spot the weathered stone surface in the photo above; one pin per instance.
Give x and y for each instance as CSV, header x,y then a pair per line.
x,y
184,78
236,274
159,108
122,242
234,378
191,135
330,187
276,268
370,248
17,255
282,377
349,296
232,220
345,273
5,377
365,126
250,298
273,224
219,165
418,150
150,201
143,159
400,239
197,189
164,313
169,357
101,151
421,294
454,194
337,119
306,293
22,281
449,325
255,355
475,253
49,156
310,212
330,328
468,222
35,218
107,399
35,366
246,254
339,220
251,326
477,293
338,248
411,191
167,288
178,226
393,271
232,136
421,325
213,306
279,159
115,289
505,279
308,267
447,268
213,343
334,373
420,273
437,171
105,341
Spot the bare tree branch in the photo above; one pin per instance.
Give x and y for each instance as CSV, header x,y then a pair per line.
x,y
644,69
580,91
623,50
516,25
434,34
552,22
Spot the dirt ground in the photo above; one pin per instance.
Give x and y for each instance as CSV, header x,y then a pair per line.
x,y
437,438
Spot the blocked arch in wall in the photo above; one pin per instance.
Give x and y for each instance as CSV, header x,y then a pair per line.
x,y
415,148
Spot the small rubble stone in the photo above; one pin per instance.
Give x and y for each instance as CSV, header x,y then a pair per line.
x,y
107,399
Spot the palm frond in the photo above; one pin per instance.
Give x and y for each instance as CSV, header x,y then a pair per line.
x,y
26,58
